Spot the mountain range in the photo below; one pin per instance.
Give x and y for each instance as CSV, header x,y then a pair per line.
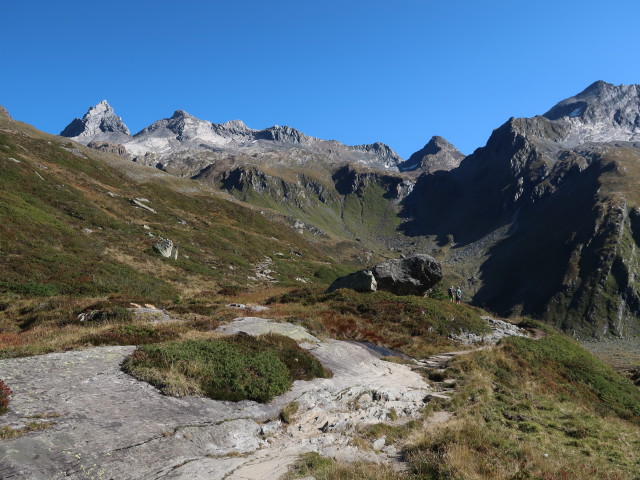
x,y
544,220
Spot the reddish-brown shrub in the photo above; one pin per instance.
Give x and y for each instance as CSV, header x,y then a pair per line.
x,y
4,397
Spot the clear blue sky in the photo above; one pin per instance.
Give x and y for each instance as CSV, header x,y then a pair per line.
x,y
356,71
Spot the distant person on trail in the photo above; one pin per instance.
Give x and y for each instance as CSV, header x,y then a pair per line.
x,y
458,295
452,294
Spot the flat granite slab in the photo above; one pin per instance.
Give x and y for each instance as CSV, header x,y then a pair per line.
x,y
108,425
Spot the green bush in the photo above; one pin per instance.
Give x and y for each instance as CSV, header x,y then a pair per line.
x,y
235,368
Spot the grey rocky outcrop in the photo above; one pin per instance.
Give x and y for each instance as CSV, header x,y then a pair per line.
x,y
412,275
108,147
136,202
499,330
166,248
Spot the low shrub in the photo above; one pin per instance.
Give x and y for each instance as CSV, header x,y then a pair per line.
x,y
234,368
417,326
5,392
133,335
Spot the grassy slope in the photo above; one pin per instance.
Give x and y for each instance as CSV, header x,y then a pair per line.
x,y
69,245
53,197
535,409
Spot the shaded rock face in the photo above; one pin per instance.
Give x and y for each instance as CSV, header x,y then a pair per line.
x,y
360,281
551,196
436,155
408,276
115,148
402,276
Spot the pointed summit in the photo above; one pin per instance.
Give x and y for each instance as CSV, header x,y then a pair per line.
x,y
602,112
436,155
99,123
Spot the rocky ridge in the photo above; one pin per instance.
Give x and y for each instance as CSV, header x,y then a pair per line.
x,y
184,132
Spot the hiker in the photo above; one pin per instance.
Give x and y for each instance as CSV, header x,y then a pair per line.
x,y
452,293
458,295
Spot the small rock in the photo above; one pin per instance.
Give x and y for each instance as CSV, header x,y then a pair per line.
x,y
166,248
146,227
380,443
137,203
390,450
270,428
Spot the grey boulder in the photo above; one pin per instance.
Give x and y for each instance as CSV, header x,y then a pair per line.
x,y
360,281
408,276
412,275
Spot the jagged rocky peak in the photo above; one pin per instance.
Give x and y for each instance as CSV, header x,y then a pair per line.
x,y
601,113
99,123
284,134
382,152
436,155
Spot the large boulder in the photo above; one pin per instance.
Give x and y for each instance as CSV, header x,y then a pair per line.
x,y
408,276
361,281
412,275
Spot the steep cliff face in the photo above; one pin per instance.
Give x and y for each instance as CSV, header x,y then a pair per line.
x,y
540,221
345,202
